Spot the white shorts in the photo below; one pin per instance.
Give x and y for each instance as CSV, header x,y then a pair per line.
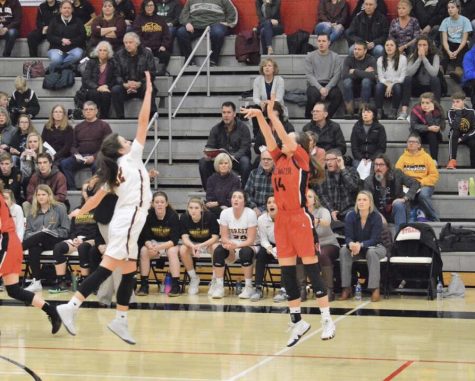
x,y
124,232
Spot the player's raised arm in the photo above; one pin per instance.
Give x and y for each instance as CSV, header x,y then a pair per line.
x,y
144,115
263,125
278,126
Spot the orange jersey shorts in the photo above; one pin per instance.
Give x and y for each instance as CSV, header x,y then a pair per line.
x,y
11,254
294,234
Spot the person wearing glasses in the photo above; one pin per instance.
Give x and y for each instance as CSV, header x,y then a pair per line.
x,y
87,139
259,185
418,164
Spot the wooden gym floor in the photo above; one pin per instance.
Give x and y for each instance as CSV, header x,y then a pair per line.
x,y
194,339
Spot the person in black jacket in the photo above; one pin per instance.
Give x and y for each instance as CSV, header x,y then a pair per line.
x,y
233,136
10,176
133,60
23,101
67,38
368,137
329,132
430,15
10,22
99,77
170,11
381,8
46,11
126,9
370,26
268,12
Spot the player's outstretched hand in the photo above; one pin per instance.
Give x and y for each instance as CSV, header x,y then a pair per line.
x,y
148,80
249,113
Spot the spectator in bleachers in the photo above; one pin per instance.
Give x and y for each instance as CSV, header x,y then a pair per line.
x,y
329,132
270,25
58,133
468,81
10,176
454,34
387,187
219,15
16,212
428,121
332,18
28,158
405,29
47,225
430,15
259,185
87,139
232,135
358,73
221,184
392,68
49,175
368,137
7,131
462,129
380,7
170,10
259,141
267,251
326,238
159,238
363,227
126,9
66,36
24,128
99,78
418,164
266,84
23,101
422,74
3,100
10,22
108,26
82,235
133,60
468,10
370,26
323,71
84,10
239,240
337,193
199,235
154,34
47,10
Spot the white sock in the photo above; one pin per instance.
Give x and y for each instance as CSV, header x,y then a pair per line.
x,y
191,273
294,310
121,315
248,282
220,281
325,311
75,303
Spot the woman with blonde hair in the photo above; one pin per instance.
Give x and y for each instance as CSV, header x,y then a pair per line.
x,y
58,132
199,234
23,100
29,157
47,225
24,128
363,228
267,83
404,28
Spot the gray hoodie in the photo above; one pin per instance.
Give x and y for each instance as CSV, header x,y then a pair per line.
x,y
55,220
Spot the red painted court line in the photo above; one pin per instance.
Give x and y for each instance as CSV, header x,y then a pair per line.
x,y
150,351
398,370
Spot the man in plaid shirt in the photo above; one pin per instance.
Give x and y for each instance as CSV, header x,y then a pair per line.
x,y
338,192
259,184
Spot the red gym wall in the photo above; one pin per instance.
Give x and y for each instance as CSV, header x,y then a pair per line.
x,y
296,14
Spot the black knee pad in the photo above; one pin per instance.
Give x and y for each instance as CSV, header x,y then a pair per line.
x,y
318,285
124,292
219,256
16,292
83,252
289,276
246,256
93,281
59,250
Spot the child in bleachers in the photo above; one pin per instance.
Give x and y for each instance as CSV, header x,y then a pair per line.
x,y
23,100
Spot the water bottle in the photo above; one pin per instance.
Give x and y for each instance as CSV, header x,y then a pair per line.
x,y
238,287
440,290
358,291
168,283
74,281
471,186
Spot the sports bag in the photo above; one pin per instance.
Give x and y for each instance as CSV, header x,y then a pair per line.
x,y
247,48
33,69
456,239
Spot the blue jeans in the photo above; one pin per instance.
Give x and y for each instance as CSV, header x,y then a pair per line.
x,y
70,166
335,32
267,31
376,52
9,38
60,58
350,85
399,214
424,200
217,33
395,97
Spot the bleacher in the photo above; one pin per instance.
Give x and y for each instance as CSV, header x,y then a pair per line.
x,y
199,113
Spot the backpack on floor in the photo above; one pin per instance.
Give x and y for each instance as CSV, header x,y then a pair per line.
x,y
247,48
